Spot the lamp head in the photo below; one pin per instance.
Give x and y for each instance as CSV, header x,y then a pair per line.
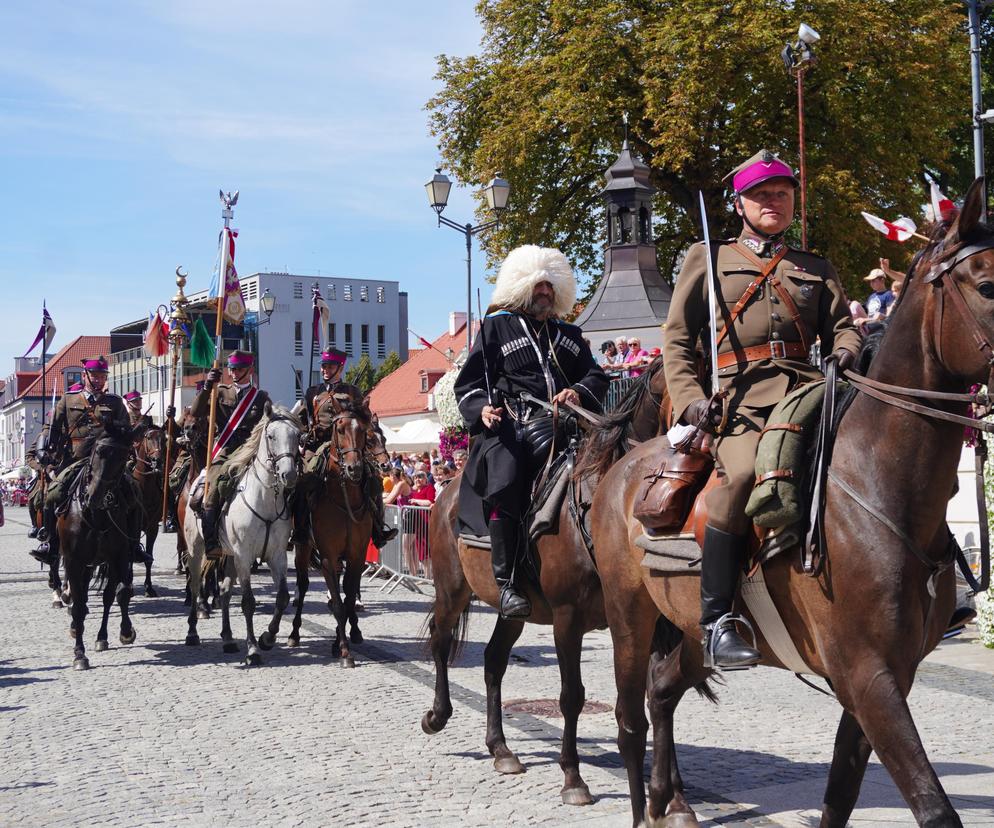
x,y
805,34
497,192
267,303
438,191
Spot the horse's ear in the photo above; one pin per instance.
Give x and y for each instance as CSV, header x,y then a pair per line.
x,y
268,408
969,217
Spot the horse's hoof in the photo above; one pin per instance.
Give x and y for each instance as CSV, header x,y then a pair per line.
x,y
100,646
203,615
81,663
230,647
253,660
577,796
428,727
178,570
677,819
355,636
72,632
56,603
192,640
266,641
347,662
508,764
150,592
129,639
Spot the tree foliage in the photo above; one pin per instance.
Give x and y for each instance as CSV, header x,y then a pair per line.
x,y
704,86
388,366
361,374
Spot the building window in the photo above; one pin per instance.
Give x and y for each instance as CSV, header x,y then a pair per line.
x,y
364,293
331,293
298,391
364,333
381,341
347,293
298,290
381,295
332,342
424,383
298,338
348,339
72,377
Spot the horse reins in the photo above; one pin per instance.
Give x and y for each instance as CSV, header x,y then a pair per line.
x,y
894,395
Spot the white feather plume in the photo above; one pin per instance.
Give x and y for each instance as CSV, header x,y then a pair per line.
x,y
524,268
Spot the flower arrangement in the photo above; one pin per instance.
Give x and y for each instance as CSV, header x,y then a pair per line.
x,y
985,618
451,439
445,401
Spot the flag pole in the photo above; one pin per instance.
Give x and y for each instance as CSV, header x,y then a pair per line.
x,y
315,321
179,318
228,201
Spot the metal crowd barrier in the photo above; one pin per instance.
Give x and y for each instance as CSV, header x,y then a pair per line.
x,y
406,560
617,389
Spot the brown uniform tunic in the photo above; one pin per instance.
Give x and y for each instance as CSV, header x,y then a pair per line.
x,y
758,384
227,400
79,416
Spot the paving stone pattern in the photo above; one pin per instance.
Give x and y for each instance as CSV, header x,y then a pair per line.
x,y
158,733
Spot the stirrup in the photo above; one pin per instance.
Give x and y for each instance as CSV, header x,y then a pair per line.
x,y
729,619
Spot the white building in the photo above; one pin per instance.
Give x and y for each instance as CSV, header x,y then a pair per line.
x,y
368,316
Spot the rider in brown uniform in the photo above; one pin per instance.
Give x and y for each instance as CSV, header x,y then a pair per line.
x,y
763,354
78,416
35,459
320,405
229,395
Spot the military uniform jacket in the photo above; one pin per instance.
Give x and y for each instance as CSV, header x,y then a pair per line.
x,y
809,280
323,401
79,416
525,355
227,399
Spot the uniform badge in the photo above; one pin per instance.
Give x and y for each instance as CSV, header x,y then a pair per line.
x,y
807,291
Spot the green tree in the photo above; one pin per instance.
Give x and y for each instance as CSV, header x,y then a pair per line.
x,y
388,366
361,374
704,86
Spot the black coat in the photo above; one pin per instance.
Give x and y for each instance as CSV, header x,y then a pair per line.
x,y
517,354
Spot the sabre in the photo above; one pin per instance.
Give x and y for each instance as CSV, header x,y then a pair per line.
x,y
715,387
483,348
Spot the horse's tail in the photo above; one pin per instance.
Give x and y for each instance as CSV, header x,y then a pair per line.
x,y
665,639
460,633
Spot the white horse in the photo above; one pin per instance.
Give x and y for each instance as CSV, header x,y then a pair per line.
x,y
255,525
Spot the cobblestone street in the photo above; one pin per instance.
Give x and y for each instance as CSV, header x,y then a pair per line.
x,y
160,733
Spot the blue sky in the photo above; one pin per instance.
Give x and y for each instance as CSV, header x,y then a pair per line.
x,y
120,121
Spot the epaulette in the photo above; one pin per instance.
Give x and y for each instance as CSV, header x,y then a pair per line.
x,y
806,252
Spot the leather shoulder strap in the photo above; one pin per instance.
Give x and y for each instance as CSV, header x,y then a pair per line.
x,y
766,268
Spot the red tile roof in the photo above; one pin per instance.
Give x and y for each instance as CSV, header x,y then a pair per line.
x,y
400,393
70,356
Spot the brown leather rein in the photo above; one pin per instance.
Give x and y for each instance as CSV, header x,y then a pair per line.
x,y
885,392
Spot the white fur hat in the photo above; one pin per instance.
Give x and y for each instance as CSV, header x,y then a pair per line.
x,y
524,268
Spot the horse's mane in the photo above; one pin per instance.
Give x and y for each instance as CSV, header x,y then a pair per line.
x,y
609,443
246,452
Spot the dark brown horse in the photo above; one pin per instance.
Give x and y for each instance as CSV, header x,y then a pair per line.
x,y
101,527
571,599
150,453
882,598
341,525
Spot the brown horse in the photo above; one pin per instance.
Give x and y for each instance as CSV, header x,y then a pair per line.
x,y
886,589
571,599
100,526
341,526
148,473
195,432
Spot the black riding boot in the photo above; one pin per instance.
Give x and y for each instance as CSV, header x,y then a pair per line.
x,y
504,537
721,565
48,550
382,534
211,516
301,531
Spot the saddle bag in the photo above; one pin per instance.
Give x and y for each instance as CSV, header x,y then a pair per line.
x,y
667,495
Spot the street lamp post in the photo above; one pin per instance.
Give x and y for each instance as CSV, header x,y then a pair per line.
x,y
799,57
496,192
979,116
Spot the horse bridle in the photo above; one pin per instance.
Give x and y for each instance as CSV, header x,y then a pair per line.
x,y
271,459
340,453
149,466
885,392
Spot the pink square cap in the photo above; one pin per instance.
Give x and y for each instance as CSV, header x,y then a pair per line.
x,y
763,166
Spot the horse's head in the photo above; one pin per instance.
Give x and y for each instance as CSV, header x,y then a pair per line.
x,y
108,455
955,276
350,428
150,451
376,444
282,445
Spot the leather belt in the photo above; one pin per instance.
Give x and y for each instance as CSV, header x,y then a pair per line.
x,y
774,349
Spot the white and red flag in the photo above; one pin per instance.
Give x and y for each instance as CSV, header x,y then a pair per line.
x,y
319,319
225,281
943,208
156,336
899,231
